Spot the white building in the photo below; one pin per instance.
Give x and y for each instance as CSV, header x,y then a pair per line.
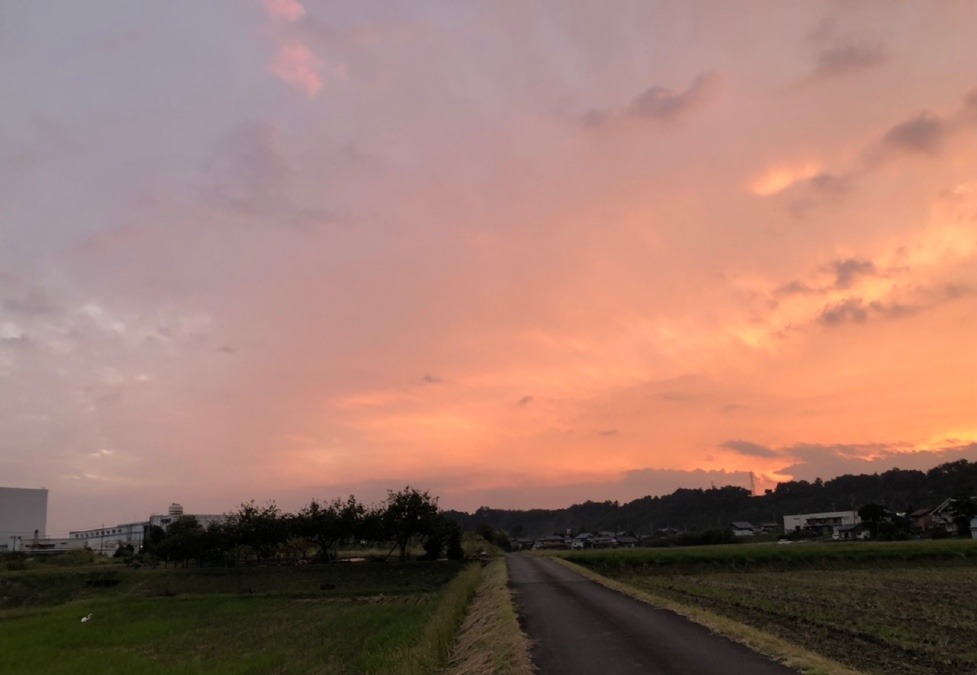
x,y
176,511
107,540
829,522
48,546
23,516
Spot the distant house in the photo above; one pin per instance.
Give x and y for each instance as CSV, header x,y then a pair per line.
x,y
744,529
826,524
852,532
937,517
973,528
550,543
581,541
602,540
769,527
921,519
626,540
942,516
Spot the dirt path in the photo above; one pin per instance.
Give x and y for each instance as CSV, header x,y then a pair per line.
x,y
579,626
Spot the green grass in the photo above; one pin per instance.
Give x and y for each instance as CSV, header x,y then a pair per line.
x,y
903,607
40,587
341,618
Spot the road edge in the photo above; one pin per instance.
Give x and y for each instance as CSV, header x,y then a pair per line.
x,y
778,649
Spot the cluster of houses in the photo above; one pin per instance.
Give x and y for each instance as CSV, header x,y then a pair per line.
x,y
847,525
838,525
581,541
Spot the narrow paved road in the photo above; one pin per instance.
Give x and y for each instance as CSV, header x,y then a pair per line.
x,y
581,627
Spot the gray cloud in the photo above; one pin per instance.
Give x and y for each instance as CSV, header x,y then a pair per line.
x,y
949,292
595,118
431,379
248,175
844,59
31,303
662,103
894,310
923,134
247,165
750,449
969,109
659,103
848,270
850,310
856,310
829,185
794,287
527,493
23,341
525,400
817,191
674,396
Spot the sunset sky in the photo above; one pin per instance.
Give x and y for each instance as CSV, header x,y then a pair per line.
x,y
518,254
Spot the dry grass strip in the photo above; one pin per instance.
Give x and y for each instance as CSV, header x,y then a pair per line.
x,y
784,652
490,641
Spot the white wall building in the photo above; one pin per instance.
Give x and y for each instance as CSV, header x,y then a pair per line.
x,y
176,511
826,522
23,515
107,540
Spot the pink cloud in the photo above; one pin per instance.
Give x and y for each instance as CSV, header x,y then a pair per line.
x,y
298,66
288,10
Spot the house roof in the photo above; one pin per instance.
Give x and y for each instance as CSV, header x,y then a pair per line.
x,y
742,525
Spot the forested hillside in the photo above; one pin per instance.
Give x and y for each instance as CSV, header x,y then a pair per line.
x,y
698,509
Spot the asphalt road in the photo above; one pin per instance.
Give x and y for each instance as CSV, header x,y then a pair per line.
x,y
578,626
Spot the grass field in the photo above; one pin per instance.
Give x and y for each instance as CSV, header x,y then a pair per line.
x,y
907,607
339,618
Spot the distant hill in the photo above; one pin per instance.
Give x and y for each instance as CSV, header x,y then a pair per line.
x,y
697,509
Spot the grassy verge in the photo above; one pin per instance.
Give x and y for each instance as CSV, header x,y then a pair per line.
x,y
432,652
491,641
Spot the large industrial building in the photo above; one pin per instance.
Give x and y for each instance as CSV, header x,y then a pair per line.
x,y
106,540
23,516
23,520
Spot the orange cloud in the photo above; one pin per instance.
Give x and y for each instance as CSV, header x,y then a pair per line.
x,y
779,178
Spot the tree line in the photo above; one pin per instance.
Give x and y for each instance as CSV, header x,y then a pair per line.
x,y
316,533
897,490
